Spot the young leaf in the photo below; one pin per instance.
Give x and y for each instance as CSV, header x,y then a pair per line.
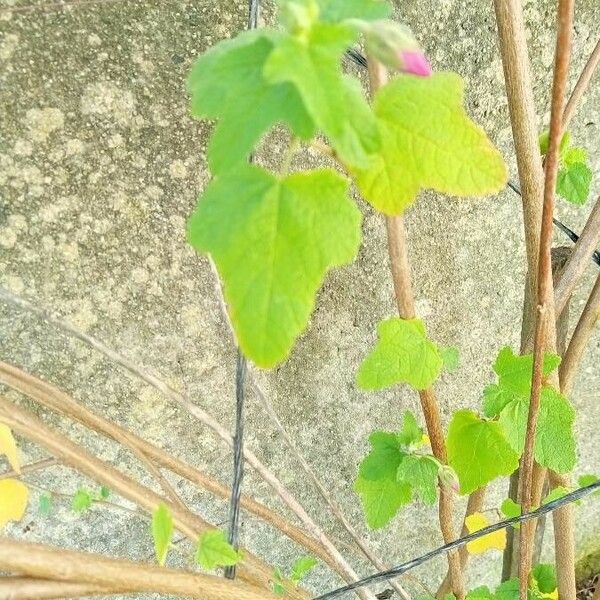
x,y
410,434
227,83
555,494
573,183
511,509
13,500
428,142
8,447
480,593
478,451
339,10
302,567
82,501
384,459
162,532
335,102
496,540
586,480
403,354
450,358
104,492
574,155
381,499
273,240
421,473
509,590
45,504
544,576
278,582
213,551
554,440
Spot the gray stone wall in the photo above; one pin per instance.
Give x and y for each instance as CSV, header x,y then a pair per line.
x,y
100,165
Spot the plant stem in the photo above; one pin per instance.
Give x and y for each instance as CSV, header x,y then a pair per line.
x,y
40,561
581,86
39,465
545,338
26,588
583,331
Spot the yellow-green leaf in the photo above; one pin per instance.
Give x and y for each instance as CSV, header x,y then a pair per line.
x,y
13,500
428,142
492,541
8,447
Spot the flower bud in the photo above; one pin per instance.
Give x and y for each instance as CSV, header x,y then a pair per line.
x,y
448,478
394,45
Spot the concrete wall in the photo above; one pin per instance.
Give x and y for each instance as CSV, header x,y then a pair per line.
x,y
100,165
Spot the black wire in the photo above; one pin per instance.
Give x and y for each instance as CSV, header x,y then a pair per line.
x,y
415,562
241,368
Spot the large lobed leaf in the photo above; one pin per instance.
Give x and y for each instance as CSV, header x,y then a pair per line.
x,y
273,239
428,142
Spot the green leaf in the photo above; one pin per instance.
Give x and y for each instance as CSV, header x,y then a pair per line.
x,y
575,155
555,494
586,480
227,83
428,142
367,10
511,509
162,532
544,141
403,354
421,473
82,501
381,499
509,590
104,492
554,441
573,183
450,358
335,102
384,458
478,451
213,551
480,593
544,576
514,379
410,434
45,504
273,239
302,567
278,583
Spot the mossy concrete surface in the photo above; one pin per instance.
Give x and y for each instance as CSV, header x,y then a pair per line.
x,y
100,164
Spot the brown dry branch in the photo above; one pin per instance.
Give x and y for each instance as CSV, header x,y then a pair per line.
x,y
579,260
26,588
579,340
252,569
55,399
39,465
581,86
544,337
46,562
182,400
402,280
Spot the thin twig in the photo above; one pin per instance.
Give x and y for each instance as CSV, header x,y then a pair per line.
x,y
47,562
585,327
544,339
402,279
26,588
31,468
581,86
327,497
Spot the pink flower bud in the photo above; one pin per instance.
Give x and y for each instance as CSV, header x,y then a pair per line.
x,y
415,62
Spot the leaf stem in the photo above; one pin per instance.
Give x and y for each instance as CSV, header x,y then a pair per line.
x,y
402,279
